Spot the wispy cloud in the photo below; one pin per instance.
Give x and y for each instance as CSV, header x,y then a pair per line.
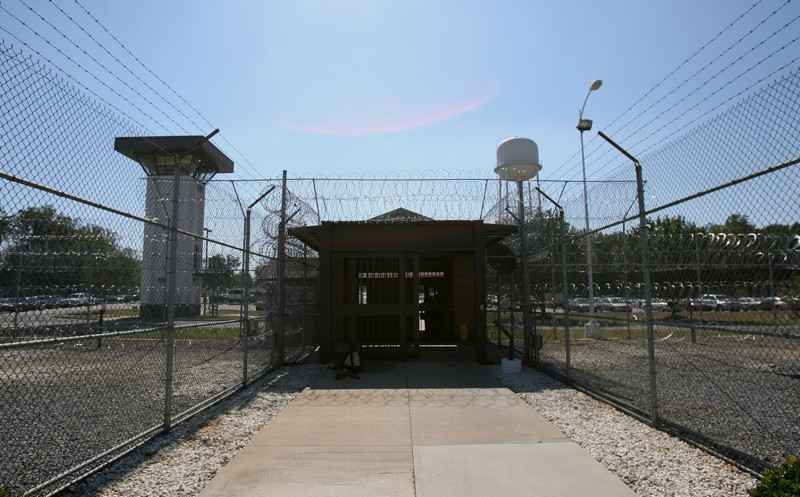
x,y
395,125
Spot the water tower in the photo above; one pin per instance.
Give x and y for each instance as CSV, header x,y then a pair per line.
x,y
518,161
194,161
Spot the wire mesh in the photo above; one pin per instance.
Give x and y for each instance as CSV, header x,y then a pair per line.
x,y
723,256
91,362
85,341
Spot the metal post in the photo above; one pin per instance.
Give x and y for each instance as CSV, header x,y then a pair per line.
x,y
590,273
564,280
244,330
245,306
17,293
280,332
625,267
205,271
523,259
565,294
304,297
772,286
513,322
692,331
171,289
172,283
648,304
643,242
771,276
497,308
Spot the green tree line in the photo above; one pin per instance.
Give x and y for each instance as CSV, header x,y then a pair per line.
x,y
43,251
748,257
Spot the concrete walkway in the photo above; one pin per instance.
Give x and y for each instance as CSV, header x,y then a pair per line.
x,y
429,429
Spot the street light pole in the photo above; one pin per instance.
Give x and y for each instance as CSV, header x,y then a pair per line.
x,y
589,270
586,125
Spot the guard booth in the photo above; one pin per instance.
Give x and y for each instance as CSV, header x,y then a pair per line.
x,y
400,281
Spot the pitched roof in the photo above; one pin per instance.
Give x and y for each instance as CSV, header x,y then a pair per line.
x,y
399,215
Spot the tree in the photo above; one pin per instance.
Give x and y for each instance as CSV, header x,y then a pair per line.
x,y
221,272
735,223
49,252
5,225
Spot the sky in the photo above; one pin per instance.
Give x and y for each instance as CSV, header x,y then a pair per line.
x,y
347,89
385,88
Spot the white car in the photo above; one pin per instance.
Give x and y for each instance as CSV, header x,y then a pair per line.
x,y
659,305
612,304
749,303
78,299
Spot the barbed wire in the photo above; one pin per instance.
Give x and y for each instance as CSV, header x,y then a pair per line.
x,y
595,172
671,73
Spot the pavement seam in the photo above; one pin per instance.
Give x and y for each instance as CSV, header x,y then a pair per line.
x,y
411,439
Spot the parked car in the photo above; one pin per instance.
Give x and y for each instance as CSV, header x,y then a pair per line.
x,y
78,299
771,303
7,305
712,302
729,304
612,304
580,305
749,303
660,305
792,302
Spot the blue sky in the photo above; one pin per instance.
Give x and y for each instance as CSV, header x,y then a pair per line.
x,y
388,89
378,87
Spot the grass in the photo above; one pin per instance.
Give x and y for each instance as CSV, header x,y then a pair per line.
x,y
206,333
195,333
614,328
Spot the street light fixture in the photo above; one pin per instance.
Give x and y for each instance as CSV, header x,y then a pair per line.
x,y
586,125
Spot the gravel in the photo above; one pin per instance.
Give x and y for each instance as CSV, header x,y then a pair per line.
x,y
740,392
181,463
63,404
651,462
70,402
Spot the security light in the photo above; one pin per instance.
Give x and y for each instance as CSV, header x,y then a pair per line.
x,y
584,125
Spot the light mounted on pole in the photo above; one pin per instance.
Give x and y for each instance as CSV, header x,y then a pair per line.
x,y
586,125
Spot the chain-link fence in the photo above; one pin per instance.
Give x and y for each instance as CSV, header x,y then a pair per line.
x,y
126,304
695,315
133,295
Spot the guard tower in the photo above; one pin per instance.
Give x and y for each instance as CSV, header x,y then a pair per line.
x,y
195,160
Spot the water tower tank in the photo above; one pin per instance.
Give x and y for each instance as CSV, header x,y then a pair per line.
x,y
517,159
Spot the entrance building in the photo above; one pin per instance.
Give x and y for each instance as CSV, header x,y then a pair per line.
x,y
401,281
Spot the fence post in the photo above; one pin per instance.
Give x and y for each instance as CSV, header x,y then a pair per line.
x,y
245,328
648,300
304,307
692,332
565,295
528,341
280,333
171,289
